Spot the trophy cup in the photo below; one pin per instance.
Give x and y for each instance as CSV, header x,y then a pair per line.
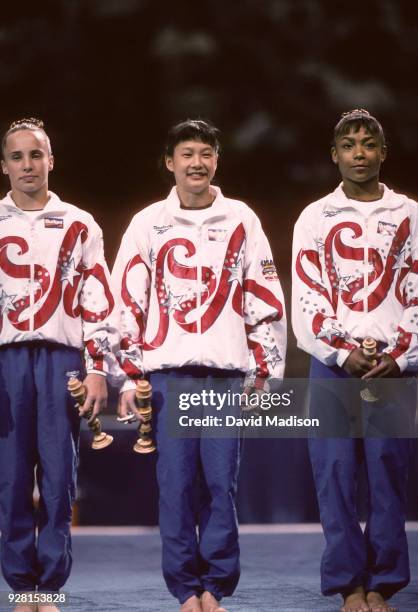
x,y
143,394
100,438
369,347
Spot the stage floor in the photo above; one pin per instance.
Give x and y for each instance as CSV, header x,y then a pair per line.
x,y
119,569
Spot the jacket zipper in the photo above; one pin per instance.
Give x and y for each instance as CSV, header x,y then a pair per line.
x,y
198,280
366,269
32,278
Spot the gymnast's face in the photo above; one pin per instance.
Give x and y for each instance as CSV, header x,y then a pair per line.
x,y
193,164
27,161
358,156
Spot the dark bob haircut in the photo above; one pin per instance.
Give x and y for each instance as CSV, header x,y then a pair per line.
x,y
354,120
192,129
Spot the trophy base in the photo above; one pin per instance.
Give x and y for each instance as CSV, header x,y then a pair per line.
x,y
368,396
101,441
144,449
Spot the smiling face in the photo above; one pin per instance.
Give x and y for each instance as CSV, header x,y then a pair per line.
x,y
27,162
359,156
193,164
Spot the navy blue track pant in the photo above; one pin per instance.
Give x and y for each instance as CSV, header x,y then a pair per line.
x,y
39,427
377,559
197,479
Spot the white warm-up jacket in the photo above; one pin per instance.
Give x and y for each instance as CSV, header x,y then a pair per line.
x,y
355,274
199,287
54,281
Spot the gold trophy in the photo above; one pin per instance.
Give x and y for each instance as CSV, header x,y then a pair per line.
x,y
143,393
369,346
78,392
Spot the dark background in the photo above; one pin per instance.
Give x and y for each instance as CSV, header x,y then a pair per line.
x,y
109,77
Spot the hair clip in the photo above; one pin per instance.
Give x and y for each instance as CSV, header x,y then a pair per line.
x,y
27,121
355,111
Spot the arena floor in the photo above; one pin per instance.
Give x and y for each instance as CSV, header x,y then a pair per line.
x,y
119,569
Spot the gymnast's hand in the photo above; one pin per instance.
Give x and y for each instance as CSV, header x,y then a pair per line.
x,y
251,400
127,405
357,364
386,368
96,395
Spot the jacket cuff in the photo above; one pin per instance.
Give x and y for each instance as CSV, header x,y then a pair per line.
x,y
262,384
402,362
257,382
128,385
93,371
342,356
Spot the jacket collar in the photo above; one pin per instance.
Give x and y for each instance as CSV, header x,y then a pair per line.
x,y
53,206
218,210
390,199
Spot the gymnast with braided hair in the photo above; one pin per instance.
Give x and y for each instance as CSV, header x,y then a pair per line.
x,y
54,300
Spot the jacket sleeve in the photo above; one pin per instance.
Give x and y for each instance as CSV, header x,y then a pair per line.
x,y
131,277
96,304
314,301
403,346
263,309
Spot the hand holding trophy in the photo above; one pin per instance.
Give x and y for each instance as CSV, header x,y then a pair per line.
x,y
143,394
369,346
100,438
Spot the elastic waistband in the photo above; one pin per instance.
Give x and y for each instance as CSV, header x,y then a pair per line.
x,y
199,372
38,344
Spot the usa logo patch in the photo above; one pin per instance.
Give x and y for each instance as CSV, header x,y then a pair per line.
x,y
54,222
268,270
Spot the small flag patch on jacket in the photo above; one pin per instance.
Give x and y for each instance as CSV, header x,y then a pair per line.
x,y
54,222
387,229
217,235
